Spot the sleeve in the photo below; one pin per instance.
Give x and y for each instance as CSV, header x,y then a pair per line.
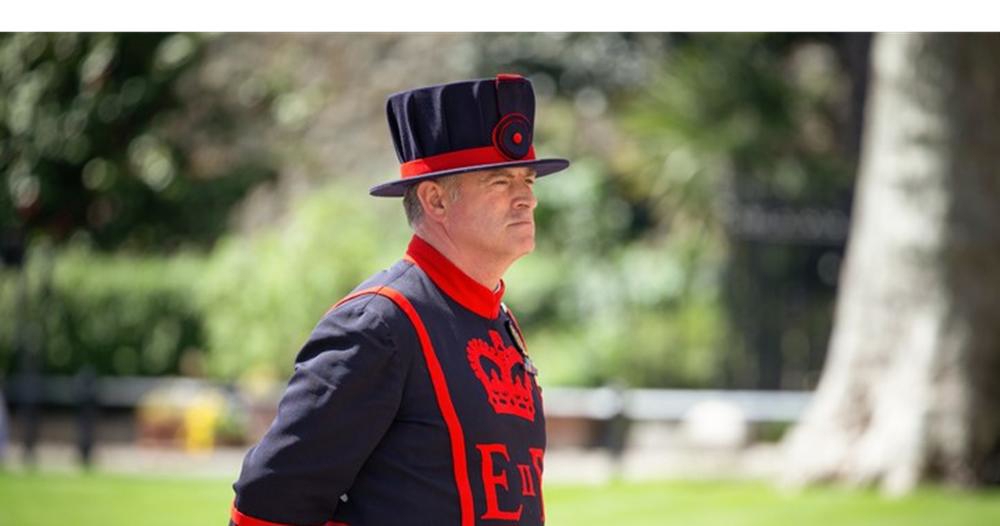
x,y
347,386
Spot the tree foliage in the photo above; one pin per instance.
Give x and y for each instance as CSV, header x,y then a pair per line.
x,y
89,145
641,271
683,146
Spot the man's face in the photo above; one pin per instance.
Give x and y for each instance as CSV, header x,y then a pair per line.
x,y
494,213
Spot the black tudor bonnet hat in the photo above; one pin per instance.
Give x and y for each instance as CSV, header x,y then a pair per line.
x,y
462,127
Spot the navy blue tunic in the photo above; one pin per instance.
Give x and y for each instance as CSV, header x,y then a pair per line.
x,y
411,403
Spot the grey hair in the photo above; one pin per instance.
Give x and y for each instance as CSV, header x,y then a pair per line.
x,y
411,203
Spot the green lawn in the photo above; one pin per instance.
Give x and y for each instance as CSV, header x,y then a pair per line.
x,y
111,500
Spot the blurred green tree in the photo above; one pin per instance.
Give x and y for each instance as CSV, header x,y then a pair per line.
x,y
752,136
642,255
708,202
262,294
89,145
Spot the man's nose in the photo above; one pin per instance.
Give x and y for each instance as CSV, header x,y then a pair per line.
x,y
525,196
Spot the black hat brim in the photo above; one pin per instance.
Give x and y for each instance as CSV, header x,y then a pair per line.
x,y
398,187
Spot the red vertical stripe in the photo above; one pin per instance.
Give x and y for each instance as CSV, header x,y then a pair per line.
x,y
442,394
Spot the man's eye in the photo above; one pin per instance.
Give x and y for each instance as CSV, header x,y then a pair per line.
x,y
500,181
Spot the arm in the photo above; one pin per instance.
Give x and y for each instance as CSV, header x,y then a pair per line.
x,y
343,396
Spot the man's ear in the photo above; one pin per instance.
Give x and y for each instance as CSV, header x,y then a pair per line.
x,y
432,198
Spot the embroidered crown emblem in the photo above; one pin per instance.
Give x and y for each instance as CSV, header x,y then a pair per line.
x,y
508,393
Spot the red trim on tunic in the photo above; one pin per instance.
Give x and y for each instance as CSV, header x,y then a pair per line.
x,y
441,393
468,292
241,519
349,297
467,158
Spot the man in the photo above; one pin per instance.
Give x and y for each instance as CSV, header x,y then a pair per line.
x,y
414,401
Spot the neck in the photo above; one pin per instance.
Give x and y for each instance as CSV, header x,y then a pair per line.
x,y
484,267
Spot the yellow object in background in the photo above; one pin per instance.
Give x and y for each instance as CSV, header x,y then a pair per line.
x,y
200,420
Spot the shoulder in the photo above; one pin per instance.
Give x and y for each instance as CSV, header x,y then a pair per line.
x,y
376,305
387,291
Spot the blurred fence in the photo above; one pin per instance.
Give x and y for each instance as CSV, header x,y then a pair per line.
x,y
119,392
602,403
671,404
593,418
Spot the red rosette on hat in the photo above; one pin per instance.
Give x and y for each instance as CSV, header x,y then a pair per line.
x,y
512,136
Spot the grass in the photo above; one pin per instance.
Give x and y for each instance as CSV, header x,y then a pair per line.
x,y
754,504
98,499
110,500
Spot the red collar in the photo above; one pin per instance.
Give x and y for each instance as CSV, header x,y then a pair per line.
x,y
468,292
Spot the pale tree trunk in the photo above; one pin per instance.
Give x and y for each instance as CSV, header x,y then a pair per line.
x,y
911,388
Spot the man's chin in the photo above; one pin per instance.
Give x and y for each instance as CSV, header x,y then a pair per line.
x,y
527,247
516,246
